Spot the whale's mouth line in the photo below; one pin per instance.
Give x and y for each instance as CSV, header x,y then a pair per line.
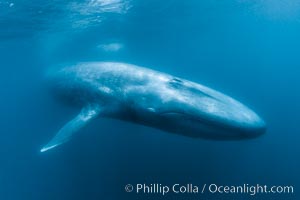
x,y
184,115
171,112
203,120
211,122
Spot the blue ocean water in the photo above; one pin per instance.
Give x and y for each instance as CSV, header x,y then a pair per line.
x,y
246,49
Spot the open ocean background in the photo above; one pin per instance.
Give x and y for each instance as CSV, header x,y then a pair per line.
x,y
248,49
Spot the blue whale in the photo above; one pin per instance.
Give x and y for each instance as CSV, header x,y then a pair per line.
x,y
151,98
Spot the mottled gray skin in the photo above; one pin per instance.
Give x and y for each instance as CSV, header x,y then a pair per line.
x,y
144,96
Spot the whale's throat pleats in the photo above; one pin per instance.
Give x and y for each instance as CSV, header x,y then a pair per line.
x,y
87,114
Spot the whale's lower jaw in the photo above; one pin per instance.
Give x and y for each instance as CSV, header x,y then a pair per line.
x,y
201,128
180,124
214,133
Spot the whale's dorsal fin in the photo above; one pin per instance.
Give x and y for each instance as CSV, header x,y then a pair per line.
x,y
87,114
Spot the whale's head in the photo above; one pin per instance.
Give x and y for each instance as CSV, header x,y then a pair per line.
x,y
194,110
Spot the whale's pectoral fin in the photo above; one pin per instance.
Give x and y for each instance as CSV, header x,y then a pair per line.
x,y
87,114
